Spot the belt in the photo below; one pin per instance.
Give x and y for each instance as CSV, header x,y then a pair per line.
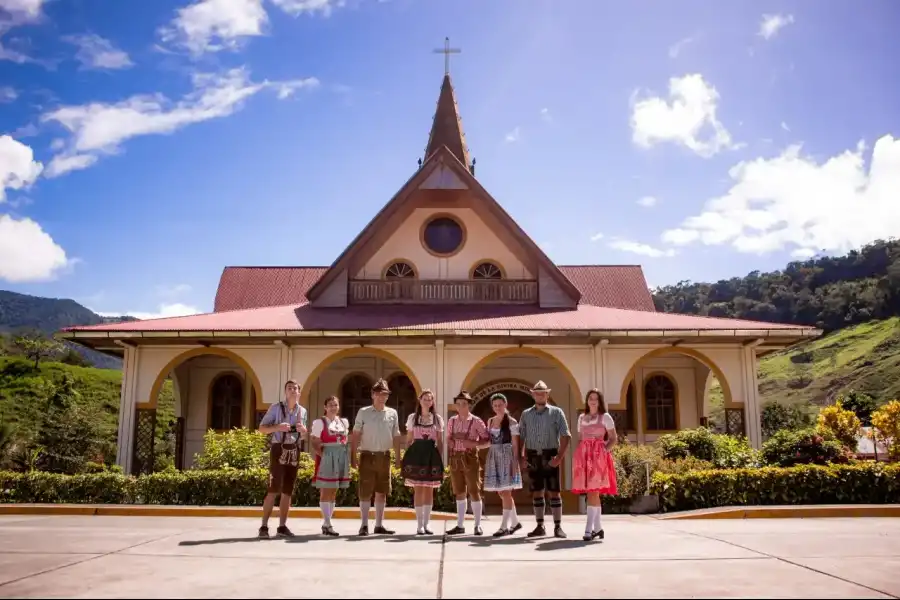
x,y
376,453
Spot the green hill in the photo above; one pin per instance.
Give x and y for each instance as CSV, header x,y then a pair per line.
x,y
865,358
27,396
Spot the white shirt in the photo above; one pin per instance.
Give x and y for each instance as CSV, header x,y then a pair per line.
x,y
335,427
606,419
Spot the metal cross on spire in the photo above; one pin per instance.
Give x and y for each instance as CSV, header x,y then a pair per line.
x,y
447,51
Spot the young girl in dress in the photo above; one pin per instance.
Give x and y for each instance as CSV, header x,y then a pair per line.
x,y
501,469
423,464
594,472
329,442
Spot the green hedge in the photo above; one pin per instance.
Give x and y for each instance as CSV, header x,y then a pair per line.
x,y
862,483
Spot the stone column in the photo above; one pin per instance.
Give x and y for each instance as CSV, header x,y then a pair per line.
x,y
440,388
127,402
752,415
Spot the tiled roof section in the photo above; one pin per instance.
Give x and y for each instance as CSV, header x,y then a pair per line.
x,y
503,318
255,287
612,286
446,129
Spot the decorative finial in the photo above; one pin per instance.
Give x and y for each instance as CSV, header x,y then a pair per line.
x,y
447,51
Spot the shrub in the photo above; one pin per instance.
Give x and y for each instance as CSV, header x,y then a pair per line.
x,y
776,416
235,449
863,483
719,450
807,446
840,424
631,462
863,405
886,423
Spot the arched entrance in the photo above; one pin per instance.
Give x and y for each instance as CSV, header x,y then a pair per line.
x,y
518,398
350,374
197,390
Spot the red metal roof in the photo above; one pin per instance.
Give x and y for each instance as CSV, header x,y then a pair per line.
x,y
369,318
611,286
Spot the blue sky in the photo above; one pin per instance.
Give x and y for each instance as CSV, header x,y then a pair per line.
x,y
146,145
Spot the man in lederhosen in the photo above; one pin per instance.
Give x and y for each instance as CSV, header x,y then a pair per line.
x,y
465,434
375,432
286,423
544,435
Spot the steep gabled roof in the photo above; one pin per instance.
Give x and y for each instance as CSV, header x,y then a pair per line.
x,y
443,156
446,129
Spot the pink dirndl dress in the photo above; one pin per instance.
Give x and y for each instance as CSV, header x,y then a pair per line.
x,y
593,469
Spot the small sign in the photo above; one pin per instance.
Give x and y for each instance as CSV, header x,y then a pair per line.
x,y
500,386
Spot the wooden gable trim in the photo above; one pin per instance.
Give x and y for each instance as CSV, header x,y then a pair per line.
x,y
398,207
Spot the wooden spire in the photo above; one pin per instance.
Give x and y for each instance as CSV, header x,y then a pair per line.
x,y
446,129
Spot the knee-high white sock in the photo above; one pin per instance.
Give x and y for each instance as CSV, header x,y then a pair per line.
x,y
326,518
597,511
460,512
379,513
364,513
589,525
330,510
513,516
419,512
504,523
426,515
477,507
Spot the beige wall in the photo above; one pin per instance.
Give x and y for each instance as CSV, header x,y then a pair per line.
x,y
443,369
481,244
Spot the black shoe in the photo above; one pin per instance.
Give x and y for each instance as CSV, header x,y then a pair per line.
x,y
501,532
329,530
263,533
380,529
588,536
598,534
537,531
283,531
515,528
558,531
364,530
457,530
478,530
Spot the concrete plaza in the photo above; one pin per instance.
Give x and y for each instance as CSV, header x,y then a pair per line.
x,y
165,557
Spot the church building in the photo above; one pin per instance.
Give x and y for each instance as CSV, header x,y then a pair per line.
x,y
441,290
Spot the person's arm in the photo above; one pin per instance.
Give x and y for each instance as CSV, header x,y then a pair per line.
x,y
269,423
514,430
356,436
565,437
315,436
398,439
522,430
610,424
410,422
482,437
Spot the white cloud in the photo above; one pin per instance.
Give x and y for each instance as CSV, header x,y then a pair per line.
x,y
596,237
545,115
18,169
772,24
99,129
215,25
514,136
286,89
688,117
95,52
8,94
22,9
639,248
14,13
27,252
785,127
647,201
163,311
795,202
169,291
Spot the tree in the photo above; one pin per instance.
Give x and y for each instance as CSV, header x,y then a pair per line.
x,y
861,404
886,423
35,346
840,424
776,416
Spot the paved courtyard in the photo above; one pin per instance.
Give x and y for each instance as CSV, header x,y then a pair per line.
x,y
160,557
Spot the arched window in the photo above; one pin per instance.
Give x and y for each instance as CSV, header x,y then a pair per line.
x,y
487,270
661,404
400,270
403,397
227,402
356,392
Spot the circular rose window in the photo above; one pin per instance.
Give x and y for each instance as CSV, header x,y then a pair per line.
x,y
443,235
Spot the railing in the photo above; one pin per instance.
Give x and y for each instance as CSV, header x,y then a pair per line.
x,y
419,291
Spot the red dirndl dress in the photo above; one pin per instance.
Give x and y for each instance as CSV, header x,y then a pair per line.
x,y
593,468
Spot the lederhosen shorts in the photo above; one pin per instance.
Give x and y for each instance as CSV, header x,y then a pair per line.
x,y
283,465
541,476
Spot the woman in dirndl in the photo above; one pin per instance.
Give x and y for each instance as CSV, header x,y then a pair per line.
x,y
502,473
594,471
329,442
423,464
